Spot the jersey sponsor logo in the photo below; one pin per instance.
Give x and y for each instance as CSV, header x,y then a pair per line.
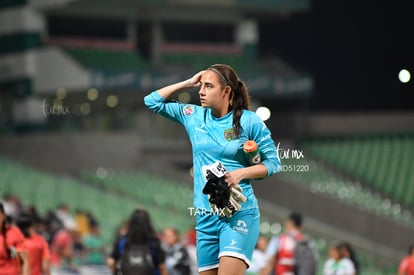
x,y
188,110
241,227
232,245
230,134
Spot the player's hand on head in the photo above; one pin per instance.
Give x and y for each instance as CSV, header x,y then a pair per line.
x,y
195,79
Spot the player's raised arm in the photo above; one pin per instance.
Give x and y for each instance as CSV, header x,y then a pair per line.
x,y
169,90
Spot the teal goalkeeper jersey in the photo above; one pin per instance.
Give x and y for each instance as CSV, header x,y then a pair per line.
x,y
213,139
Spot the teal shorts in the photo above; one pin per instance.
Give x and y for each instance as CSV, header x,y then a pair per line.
x,y
221,236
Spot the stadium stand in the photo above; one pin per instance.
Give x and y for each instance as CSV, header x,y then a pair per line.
x,y
46,192
167,200
146,188
320,179
382,163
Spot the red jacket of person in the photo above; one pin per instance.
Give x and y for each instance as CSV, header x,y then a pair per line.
x,y
10,265
407,266
285,258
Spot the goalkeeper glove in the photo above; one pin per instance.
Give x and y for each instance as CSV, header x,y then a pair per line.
x,y
223,200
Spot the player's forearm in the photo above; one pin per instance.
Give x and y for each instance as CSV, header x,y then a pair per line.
x,y
110,262
45,267
167,91
163,269
257,171
25,263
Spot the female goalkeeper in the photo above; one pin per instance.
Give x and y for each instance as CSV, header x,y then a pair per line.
x,y
217,130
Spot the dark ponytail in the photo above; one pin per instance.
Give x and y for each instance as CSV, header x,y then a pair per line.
x,y
239,99
4,232
24,222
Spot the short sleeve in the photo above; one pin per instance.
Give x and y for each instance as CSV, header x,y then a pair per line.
x,y
403,266
46,250
17,239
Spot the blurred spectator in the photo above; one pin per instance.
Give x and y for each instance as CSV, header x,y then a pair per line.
x,y
13,255
331,264
280,251
337,263
78,248
118,246
12,206
62,248
259,258
38,222
177,259
37,248
190,245
347,251
82,220
140,232
407,264
94,246
63,214
53,225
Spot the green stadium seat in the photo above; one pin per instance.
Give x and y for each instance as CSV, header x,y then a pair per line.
x,y
382,162
46,192
320,179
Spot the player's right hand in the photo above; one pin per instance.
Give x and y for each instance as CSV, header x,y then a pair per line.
x,y
194,81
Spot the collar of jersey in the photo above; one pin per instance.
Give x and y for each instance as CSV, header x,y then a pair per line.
x,y
219,118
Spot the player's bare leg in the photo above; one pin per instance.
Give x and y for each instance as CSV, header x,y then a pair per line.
x,y
231,266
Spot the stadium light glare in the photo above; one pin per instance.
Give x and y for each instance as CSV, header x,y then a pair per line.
x,y
264,227
112,101
101,172
263,112
276,228
61,93
57,102
85,109
404,75
92,94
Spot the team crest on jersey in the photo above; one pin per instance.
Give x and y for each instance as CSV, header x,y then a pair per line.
x,y
188,110
230,134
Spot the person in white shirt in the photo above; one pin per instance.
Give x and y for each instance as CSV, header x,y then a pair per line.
x,y
338,264
259,258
